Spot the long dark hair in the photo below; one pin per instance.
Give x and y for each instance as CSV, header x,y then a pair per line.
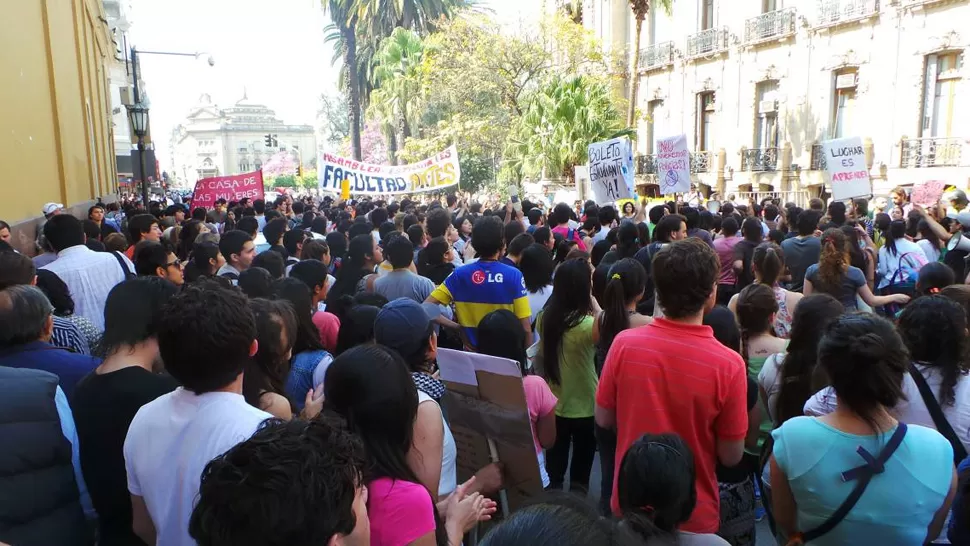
x,y
371,387
266,371
352,269
864,359
655,486
199,262
297,293
627,240
756,304
934,330
927,233
857,257
500,334
897,230
569,304
190,230
770,261
812,316
625,284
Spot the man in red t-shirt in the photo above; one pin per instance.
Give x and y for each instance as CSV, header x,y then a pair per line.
x,y
673,376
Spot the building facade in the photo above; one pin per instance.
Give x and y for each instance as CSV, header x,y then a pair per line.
x,y
57,143
756,85
116,12
216,142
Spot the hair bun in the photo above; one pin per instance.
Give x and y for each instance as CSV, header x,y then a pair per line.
x,y
869,345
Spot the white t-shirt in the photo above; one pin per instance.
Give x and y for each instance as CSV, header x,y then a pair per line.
x,y
932,252
769,379
912,410
170,441
449,453
538,299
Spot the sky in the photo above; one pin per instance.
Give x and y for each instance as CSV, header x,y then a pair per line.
x,y
274,51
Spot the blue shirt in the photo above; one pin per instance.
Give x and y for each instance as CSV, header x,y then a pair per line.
x,y
70,432
300,378
67,366
813,455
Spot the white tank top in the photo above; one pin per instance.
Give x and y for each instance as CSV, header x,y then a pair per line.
x,y
449,453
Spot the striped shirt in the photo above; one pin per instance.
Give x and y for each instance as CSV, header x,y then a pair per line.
x,y
67,335
479,288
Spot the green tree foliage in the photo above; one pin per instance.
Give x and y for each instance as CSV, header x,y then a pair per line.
x,y
561,120
284,181
396,74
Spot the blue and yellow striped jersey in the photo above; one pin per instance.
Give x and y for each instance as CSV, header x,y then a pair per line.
x,y
479,288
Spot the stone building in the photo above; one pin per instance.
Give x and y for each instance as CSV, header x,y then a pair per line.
x,y
756,85
214,141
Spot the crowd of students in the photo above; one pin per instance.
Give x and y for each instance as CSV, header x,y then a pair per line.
x,y
265,373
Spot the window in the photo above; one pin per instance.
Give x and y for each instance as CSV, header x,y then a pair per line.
x,y
243,165
705,121
707,14
844,100
654,110
766,115
939,94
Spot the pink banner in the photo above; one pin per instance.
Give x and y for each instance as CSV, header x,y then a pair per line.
x,y
231,188
928,194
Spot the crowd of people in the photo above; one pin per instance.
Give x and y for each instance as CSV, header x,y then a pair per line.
x,y
266,373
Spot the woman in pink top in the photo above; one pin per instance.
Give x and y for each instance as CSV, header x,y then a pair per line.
x,y
371,387
500,334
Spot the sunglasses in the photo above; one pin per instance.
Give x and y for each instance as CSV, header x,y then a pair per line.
x,y
176,263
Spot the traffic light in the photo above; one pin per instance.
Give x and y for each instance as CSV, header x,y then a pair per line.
x,y
299,170
269,141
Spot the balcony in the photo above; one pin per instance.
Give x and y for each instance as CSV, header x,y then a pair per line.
x,y
656,56
774,25
832,13
921,153
918,3
646,164
700,162
759,160
707,42
819,162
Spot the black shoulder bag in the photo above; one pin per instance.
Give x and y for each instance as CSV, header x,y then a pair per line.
x,y
864,475
936,412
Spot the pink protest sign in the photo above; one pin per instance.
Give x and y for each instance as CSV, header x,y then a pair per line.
x,y
928,194
231,188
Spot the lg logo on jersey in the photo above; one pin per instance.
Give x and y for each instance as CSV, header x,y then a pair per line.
x,y
480,277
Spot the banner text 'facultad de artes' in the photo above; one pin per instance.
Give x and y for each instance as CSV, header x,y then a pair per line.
x,y
231,188
434,173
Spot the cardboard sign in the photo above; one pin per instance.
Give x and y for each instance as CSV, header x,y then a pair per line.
x,y
611,170
673,165
231,188
848,174
434,173
929,193
485,401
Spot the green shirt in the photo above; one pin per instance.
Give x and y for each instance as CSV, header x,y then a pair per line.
x,y
577,370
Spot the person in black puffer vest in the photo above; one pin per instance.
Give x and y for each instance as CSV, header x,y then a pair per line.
x,y
40,503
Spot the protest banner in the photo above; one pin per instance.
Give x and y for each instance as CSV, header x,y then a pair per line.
x,y
434,173
929,193
231,188
611,170
673,165
485,404
845,164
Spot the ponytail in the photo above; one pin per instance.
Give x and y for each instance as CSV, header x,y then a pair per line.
x,y
897,230
625,283
770,261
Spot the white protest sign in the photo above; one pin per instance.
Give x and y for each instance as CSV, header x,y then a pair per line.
x,y
673,165
848,174
611,170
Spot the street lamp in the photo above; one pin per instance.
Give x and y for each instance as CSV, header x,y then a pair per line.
x,y
138,114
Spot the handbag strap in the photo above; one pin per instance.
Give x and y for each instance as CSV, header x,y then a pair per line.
x,y
864,475
936,412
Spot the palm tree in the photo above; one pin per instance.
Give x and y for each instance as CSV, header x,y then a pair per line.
x,y
343,13
640,9
396,68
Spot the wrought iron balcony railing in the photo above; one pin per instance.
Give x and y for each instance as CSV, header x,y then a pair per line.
x,y
646,164
818,158
701,162
837,12
932,152
657,56
769,26
759,160
707,42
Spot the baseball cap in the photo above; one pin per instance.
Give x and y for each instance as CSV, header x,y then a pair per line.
x,y
963,218
51,208
404,324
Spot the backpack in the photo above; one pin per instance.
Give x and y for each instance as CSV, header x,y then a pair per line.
x,y
124,267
